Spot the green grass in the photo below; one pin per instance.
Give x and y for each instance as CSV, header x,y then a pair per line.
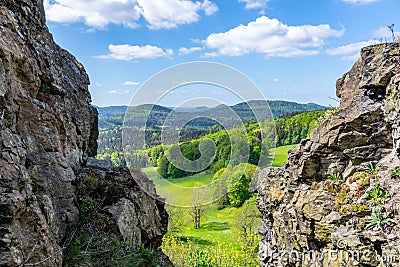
x,y
281,155
216,225
178,191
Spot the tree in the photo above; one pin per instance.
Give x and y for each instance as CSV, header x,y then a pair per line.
x,y
162,166
196,208
246,224
175,219
221,189
238,188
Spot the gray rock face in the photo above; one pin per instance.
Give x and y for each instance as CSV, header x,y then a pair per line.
x,y
300,206
47,130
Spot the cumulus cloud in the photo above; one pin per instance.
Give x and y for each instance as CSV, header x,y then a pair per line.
x,y
254,4
130,83
360,1
187,51
159,14
132,52
271,38
94,13
350,51
171,13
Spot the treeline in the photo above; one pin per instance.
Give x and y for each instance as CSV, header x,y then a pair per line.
x,y
230,148
290,129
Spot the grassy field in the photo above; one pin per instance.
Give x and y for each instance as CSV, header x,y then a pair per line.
x,y
178,191
215,224
281,155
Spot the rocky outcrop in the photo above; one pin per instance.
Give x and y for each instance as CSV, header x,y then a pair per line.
x,y
48,131
318,208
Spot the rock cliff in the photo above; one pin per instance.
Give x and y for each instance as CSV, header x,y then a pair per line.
x,y
336,201
48,134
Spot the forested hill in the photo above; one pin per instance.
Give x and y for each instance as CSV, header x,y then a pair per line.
x,y
111,117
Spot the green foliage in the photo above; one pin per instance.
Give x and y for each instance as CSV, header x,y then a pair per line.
x,y
233,183
162,166
175,219
336,177
373,168
90,181
378,218
298,125
238,188
108,251
4,120
184,254
292,129
377,195
347,199
200,258
359,207
395,173
95,243
327,114
45,88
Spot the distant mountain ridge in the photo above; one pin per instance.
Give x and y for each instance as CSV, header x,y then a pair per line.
x,y
115,114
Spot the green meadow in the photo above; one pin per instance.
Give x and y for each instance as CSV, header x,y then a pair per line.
x,y
216,225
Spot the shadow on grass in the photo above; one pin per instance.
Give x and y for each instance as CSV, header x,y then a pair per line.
x,y
196,240
215,226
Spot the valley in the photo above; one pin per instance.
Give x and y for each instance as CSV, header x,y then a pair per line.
x,y
223,228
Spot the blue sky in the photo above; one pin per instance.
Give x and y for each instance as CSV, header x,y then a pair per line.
x,y
293,50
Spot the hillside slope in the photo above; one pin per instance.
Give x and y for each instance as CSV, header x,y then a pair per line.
x,y
339,193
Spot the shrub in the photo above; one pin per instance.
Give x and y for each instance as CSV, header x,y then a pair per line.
x,y
377,195
378,219
395,173
373,168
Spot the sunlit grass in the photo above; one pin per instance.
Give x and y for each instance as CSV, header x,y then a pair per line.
x,y
281,155
215,224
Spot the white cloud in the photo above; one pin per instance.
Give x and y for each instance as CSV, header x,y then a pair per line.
x,y
349,51
128,52
271,38
97,84
209,7
187,51
360,1
197,41
254,4
112,92
159,14
94,13
276,80
115,92
130,83
166,14
210,54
